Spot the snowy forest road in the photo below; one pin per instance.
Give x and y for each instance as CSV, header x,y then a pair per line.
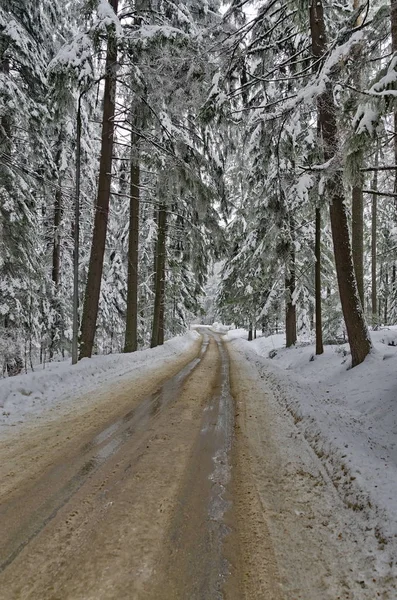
x,y
199,486
138,510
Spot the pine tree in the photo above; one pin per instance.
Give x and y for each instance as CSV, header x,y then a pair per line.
x,y
359,339
92,292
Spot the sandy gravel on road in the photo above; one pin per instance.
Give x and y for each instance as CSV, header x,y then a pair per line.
x,y
292,538
298,540
28,450
108,542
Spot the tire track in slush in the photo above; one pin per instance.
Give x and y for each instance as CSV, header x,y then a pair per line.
x,y
144,510
20,526
202,555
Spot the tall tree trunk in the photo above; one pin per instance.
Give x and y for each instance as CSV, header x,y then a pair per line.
x,y
13,363
58,212
159,275
319,326
393,16
357,197
290,282
380,299
359,340
91,299
386,299
5,121
76,237
160,340
56,262
358,238
56,247
131,329
290,311
374,220
56,251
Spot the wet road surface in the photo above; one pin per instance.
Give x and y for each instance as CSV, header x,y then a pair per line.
x,y
196,486
142,509
63,480
197,566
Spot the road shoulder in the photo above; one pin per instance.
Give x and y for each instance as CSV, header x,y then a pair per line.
x,y
300,537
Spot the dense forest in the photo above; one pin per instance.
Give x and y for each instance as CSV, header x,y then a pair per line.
x,y
144,141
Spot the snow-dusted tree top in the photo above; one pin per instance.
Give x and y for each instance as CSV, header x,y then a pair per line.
x,y
221,99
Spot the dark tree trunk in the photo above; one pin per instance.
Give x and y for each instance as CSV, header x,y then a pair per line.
x,y
56,251
56,267
290,311
319,327
5,121
358,238
359,340
131,329
159,283
13,363
91,299
374,219
380,307
357,194
264,326
162,305
56,248
58,213
393,16
290,308
250,336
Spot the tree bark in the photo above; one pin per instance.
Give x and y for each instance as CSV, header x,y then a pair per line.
x,y
290,310
58,212
380,307
13,363
159,276
358,238
357,195
374,219
92,292
76,236
359,340
131,329
56,251
56,263
393,17
319,326
160,340
290,282
5,121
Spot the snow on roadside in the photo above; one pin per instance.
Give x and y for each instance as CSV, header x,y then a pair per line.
x,y
27,395
349,417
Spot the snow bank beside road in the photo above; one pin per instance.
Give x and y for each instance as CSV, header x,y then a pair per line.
x,y
349,417
24,396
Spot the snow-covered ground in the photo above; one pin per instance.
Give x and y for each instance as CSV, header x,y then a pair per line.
x,y
28,395
349,417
